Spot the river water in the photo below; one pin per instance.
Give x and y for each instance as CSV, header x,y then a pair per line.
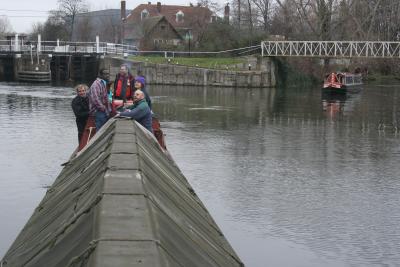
x,y
292,177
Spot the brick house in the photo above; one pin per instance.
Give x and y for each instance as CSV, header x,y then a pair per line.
x,y
153,33
188,21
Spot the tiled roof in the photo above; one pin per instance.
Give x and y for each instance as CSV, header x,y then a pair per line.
x,y
192,14
137,30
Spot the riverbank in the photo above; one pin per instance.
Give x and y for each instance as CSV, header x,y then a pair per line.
x,y
221,63
172,74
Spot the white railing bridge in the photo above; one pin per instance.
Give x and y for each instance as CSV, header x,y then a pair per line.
x,y
18,45
331,49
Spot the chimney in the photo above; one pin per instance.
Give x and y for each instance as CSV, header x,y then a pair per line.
x,y
123,17
149,3
226,12
123,10
159,7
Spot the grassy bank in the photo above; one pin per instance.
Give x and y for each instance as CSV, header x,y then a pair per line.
x,y
202,62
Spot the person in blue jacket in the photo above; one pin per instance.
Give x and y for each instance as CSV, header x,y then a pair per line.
x,y
139,111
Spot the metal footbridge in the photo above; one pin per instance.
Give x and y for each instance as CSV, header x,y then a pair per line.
x,y
280,48
330,49
18,45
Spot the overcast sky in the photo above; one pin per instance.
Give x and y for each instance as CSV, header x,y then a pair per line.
x,y
23,13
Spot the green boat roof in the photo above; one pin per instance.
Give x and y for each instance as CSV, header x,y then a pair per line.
x,y
121,201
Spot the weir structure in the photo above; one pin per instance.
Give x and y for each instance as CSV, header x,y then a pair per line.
x,y
121,201
45,61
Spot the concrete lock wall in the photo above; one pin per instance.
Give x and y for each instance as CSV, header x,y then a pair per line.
x,y
170,74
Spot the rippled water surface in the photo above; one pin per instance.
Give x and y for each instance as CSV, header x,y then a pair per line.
x,y
293,177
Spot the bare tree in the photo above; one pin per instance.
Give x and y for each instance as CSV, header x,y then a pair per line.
x,y
212,5
264,10
196,23
317,14
244,15
5,26
250,16
376,19
239,12
83,29
111,28
36,28
321,19
70,9
349,19
55,27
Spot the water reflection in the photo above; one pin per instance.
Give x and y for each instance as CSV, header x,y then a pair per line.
x,y
320,180
288,183
36,136
338,104
333,104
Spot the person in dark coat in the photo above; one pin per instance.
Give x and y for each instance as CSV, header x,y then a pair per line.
x,y
80,106
139,111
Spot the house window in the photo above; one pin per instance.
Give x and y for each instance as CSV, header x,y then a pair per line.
x,y
179,16
162,27
144,14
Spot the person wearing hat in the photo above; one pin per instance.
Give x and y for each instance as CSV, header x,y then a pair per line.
x,y
141,78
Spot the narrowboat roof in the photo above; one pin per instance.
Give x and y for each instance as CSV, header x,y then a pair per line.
x,y
121,202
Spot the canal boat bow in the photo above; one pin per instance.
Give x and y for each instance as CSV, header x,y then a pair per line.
x,y
121,201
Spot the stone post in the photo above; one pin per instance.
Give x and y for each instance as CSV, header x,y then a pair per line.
x,y
39,43
97,44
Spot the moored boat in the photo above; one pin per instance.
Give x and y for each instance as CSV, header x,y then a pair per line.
x,y
341,81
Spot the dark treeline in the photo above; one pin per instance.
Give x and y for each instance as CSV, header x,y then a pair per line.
x,y
324,20
321,19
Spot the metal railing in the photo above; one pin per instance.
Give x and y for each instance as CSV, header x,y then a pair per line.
x,y
61,47
337,49
54,47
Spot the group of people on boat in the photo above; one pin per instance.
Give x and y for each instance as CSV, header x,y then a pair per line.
x,y
125,96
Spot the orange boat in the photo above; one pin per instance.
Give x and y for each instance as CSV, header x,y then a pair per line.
x,y
341,81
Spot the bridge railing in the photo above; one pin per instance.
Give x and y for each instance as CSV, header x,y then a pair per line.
x,y
18,45
337,49
50,47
